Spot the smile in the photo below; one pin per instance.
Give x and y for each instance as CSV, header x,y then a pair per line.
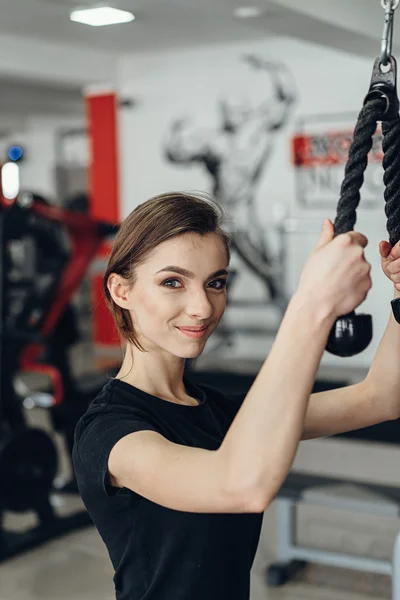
x,y
193,333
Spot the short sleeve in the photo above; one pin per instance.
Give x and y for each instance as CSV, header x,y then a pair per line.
x,y
95,436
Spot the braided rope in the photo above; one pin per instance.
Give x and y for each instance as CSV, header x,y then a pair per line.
x,y
391,177
356,164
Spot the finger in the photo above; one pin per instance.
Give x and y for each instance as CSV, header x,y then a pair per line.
x,y
395,252
384,249
327,234
393,266
358,238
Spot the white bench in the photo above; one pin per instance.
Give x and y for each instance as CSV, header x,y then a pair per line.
x,y
338,494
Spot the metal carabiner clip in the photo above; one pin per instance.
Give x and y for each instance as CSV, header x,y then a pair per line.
x,y
387,36
384,81
384,85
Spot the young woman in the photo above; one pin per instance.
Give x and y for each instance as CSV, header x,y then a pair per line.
x,y
176,476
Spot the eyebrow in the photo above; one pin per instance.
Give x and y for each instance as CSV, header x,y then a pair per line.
x,y
189,274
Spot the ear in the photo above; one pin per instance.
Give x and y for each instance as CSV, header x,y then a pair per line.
x,y
119,289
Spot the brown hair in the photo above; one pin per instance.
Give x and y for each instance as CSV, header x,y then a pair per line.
x,y
159,219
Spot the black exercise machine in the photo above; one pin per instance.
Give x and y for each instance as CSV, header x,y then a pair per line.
x,y
30,311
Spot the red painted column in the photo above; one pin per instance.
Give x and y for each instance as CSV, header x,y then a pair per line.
x,y
104,191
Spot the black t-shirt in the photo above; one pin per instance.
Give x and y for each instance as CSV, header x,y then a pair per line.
x,y
159,553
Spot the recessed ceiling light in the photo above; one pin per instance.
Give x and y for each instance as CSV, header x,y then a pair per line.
x,y
101,15
247,12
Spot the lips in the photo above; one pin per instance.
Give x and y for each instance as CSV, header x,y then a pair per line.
x,y
193,332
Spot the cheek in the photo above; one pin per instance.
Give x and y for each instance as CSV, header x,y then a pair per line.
x,y
153,308
220,303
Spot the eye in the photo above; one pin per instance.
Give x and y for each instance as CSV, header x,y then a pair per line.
x,y
221,284
164,283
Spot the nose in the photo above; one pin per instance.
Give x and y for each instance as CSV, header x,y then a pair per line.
x,y
199,305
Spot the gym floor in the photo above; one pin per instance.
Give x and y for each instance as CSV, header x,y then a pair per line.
x,y
77,565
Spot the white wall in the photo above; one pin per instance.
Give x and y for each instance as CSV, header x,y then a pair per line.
x,y
35,59
191,83
38,137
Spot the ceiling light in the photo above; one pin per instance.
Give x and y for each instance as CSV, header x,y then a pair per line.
x,y
102,15
247,12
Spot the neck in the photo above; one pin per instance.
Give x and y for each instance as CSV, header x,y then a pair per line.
x,y
159,376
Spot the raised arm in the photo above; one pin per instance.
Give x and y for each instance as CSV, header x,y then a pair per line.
x,y
273,113
185,144
262,441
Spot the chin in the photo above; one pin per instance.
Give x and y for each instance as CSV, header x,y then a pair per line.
x,y
195,353
190,355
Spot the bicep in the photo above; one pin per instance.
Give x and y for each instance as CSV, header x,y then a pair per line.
x,y
175,476
187,146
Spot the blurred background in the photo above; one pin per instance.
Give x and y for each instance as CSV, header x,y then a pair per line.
x,y
103,106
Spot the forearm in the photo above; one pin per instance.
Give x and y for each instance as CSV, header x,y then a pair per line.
x,y
343,409
262,441
372,401
384,374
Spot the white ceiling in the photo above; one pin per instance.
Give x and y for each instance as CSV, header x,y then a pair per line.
x,y
171,24
159,24
164,24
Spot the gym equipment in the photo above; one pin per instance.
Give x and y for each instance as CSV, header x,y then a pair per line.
x,y
352,333
30,309
362,498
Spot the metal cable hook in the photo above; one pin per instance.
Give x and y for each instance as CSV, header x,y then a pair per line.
x,y
387,36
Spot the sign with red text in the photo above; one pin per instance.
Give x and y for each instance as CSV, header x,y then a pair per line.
x,y
319,154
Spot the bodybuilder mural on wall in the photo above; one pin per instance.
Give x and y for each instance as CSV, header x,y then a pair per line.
x,y
235,155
